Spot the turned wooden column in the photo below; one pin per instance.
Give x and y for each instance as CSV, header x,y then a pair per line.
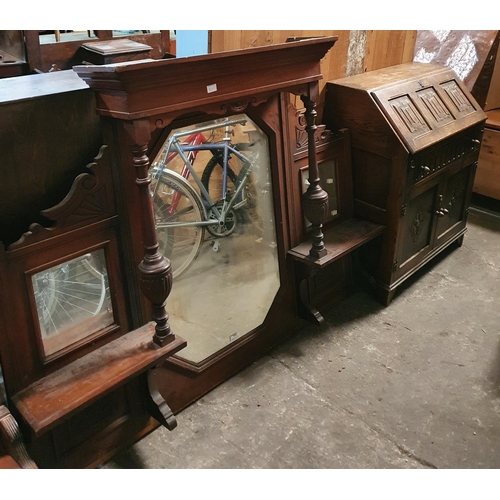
x,y
155,271
315,199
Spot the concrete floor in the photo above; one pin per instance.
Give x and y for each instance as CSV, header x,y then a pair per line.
x,y
413,385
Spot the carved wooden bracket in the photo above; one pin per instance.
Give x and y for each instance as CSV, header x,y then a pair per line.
x,y
90,199
305,296
12,440
158,407
321,135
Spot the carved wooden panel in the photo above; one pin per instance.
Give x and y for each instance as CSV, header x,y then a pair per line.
x,y
436,107
418,221
409,115
457,97
454,200
322,136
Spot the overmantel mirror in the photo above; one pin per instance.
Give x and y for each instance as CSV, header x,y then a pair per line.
x,y
203,138
215,221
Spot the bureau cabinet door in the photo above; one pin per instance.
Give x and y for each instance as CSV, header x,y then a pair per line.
x,y
453,201
416,228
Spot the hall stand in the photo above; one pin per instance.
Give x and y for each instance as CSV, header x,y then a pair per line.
x,y
79,400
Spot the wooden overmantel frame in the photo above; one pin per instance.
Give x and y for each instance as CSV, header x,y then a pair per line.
x,y
219,81
142,96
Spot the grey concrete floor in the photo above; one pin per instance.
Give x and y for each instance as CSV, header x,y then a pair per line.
x,y
413,385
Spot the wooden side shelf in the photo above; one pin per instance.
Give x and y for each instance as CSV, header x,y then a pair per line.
x,y
339,241
57,397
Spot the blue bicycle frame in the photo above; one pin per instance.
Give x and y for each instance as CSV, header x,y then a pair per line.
x,y
226,149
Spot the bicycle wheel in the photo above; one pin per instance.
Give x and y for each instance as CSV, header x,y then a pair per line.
x,y
71,292
212,180
175,201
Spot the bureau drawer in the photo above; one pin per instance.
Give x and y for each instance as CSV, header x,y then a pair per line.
x,y
464,148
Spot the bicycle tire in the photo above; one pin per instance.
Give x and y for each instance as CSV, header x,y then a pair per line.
x,y
181,245
246,213
215,189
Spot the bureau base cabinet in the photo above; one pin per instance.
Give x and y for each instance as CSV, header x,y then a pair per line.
x,y
416,133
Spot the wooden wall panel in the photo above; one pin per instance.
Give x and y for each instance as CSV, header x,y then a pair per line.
x,y
388,47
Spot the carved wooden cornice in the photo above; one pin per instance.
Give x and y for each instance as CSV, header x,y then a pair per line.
x,y
139,89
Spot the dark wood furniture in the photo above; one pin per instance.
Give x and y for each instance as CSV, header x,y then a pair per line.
x,y
321,282
81,387
416,132
487,180
65,54
114,51
141,102
12,54
50,133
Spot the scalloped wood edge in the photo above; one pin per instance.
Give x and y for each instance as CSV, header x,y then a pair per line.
x,y
87,201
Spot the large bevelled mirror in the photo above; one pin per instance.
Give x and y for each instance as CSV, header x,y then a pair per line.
x,y
213,204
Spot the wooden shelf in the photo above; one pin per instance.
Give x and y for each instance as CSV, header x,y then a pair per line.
x,y
57,397
339,241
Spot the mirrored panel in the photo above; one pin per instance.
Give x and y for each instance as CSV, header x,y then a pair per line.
x,y
72,301
212,196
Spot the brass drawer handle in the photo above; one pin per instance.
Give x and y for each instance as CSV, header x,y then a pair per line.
x,y
442,212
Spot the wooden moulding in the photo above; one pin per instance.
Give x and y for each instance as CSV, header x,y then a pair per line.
x,y
58,396
145,88
339,241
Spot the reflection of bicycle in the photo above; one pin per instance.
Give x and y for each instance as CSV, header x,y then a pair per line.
x,y
70,292
226,194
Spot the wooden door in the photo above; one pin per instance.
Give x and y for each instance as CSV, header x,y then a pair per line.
x,y
453,201
417,227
